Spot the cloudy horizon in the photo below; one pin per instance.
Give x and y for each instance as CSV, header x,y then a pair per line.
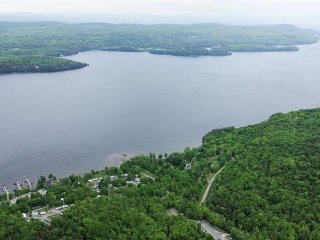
x,y
250,11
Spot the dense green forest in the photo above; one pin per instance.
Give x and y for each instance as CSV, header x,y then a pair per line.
x,y
20,64
268,189
271,188
52,39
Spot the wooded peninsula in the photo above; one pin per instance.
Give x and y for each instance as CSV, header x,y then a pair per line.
x,y
41,46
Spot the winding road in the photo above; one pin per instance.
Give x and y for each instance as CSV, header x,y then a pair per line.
x,y
206,192
214,232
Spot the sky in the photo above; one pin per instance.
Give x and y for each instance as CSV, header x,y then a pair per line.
x,y
281,11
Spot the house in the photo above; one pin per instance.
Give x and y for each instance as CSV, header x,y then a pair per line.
x,y
93,180
42,213
94,183
62,207
134,182
113,177
43,192
137,181
188,166
34,214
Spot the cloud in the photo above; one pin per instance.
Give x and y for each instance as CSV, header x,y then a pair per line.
x,y
277,10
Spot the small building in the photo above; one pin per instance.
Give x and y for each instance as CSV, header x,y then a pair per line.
x,y
43,192
137,181
188,166
62,207
34,214
42,213
134,182
93,180
113,177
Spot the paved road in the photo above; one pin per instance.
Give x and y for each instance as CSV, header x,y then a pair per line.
x,y
206,192
46,217
215,233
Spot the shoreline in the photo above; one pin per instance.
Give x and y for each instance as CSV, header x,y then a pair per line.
x,y
293,48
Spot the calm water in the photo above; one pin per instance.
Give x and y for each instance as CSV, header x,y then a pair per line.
x,y
71,122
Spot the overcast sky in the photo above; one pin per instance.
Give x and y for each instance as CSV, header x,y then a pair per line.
x,y
282,11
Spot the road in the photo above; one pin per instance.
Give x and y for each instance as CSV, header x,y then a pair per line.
x,y
206,192
46,217
148,176
215,233
14,200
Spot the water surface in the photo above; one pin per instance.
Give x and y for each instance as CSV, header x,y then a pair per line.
x,y
75,121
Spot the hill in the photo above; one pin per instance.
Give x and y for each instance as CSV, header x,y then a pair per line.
x,y
266,186
19,41
271,187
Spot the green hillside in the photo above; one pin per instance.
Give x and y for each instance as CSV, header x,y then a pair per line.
x,y
52,39
269,188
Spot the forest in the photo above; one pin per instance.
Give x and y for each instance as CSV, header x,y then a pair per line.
x,y
36,64
269,189
23,46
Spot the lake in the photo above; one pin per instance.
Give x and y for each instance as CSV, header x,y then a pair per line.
x,y
75,121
